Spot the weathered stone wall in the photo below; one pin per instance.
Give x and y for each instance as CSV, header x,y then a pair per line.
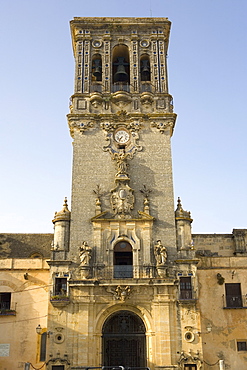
x,y
214,244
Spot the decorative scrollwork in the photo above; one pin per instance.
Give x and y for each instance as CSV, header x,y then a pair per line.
x,y
80,126
162,126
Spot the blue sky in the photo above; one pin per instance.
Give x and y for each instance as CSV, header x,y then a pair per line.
x,y
207,77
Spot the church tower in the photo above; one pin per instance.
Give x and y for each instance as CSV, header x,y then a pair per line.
x,y
122,268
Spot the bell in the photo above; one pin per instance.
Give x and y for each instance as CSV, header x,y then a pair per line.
x,y
145,70
97,69
121,75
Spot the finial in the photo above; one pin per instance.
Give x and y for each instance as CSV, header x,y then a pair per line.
x,y
97,191
65,204
145,191
180,212
98,194
64,214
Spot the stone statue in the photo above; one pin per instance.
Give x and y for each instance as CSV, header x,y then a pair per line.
x,y
85,254
160,253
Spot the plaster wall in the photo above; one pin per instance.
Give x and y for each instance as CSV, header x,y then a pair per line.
x,y
29,299
228,324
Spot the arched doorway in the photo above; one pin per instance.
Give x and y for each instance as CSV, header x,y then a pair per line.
x,y
124,340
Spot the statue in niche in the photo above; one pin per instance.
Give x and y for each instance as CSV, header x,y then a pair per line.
x,y
160,253
85,254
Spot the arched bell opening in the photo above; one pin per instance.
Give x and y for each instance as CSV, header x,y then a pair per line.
x,y
96,73
120,68
123,260
145,67
145,73
124,340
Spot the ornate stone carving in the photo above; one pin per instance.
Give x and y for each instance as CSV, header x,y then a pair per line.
x,y
120,293
80,126
121,99
113,147
189,358
122,198
122,115
147,99
163,126
96,100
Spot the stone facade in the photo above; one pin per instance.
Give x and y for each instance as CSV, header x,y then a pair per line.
x,y
122,282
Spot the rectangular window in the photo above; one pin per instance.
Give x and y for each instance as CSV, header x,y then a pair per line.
x,y
185,288
58,367
43,346
190,367
242,346
233,295
60,286
5,299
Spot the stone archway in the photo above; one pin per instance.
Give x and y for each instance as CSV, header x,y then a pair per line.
x,y
124,340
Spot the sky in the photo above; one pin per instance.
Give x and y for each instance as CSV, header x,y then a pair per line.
x,y
207,68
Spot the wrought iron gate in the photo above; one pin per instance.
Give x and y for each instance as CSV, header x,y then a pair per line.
x,y
124,340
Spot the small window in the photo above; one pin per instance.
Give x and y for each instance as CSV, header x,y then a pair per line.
x,y
190,367
60,286
242,346
5,299
185,288
58,367
233,295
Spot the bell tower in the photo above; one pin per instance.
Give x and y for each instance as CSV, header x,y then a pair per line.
x,y
121,119
118,255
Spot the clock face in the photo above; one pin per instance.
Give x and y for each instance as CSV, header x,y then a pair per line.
x,y
121,136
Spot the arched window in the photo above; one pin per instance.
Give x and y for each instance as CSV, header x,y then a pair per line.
x,y
120,68
123,260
